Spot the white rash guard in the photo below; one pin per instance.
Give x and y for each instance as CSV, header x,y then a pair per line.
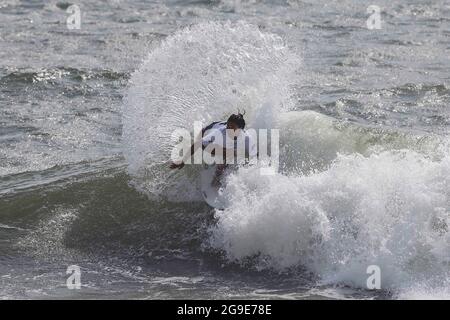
x,y
219,129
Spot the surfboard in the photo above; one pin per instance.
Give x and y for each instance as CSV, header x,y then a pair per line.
x,y
213,195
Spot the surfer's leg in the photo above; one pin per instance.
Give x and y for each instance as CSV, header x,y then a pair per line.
x,y
220,168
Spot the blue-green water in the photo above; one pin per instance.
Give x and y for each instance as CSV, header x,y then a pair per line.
x,y
85,122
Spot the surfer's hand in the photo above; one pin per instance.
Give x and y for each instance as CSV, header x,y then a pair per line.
x,y
173,165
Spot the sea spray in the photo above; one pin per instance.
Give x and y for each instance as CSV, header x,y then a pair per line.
x,y
201,73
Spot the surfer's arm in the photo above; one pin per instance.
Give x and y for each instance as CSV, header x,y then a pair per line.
x,y
208,139
202,141
180,165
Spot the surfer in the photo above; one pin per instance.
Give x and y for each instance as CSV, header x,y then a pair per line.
x,y
231,130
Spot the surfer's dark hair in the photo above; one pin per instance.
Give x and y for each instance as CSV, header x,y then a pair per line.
x,y
238,119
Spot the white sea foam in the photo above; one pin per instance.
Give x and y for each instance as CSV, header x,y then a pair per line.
x,y
347,196
390,209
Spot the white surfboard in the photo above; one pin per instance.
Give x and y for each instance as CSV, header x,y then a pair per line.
x,y
213,195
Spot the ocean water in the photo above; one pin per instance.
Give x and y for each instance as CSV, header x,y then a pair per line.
x,y
86,117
